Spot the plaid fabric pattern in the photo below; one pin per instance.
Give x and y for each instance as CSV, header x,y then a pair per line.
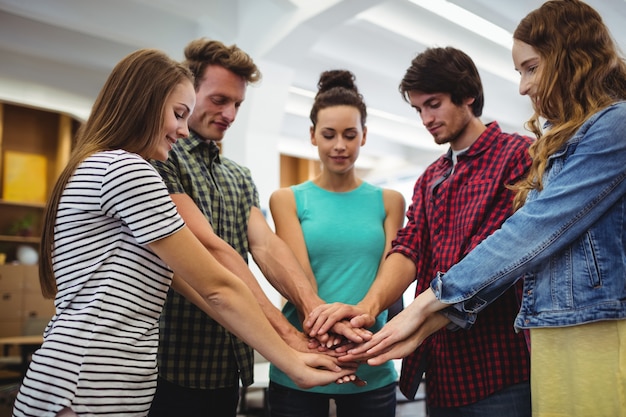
x,y
194,350
451,212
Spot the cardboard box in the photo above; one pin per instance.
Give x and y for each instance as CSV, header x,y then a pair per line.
x,y
10,328
30,278
11,277
11,305
37,307
23,309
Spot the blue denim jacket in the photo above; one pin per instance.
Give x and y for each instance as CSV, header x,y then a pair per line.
x,y
568,241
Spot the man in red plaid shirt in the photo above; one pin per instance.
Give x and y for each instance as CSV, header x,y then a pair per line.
x,y
458,201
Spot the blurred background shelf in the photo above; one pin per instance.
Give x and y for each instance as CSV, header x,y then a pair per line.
x,y
43,134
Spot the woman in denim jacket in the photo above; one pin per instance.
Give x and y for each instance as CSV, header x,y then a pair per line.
x,y
567,238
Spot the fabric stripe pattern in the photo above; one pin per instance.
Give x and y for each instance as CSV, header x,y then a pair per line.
x,y
99,350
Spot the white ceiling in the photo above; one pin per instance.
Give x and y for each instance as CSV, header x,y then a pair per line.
x,y
57,53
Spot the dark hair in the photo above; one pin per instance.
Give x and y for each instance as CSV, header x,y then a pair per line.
x,y
127,114
445,70
337,88
203,52
581,71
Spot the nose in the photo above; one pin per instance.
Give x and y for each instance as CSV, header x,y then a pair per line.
x,y
183,130
340,144
229,112
524,86
427,117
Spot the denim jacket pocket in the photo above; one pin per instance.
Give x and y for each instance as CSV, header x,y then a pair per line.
x,y
588,250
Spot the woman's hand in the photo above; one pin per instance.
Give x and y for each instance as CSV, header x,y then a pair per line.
x,y
326,316
315,369
401,335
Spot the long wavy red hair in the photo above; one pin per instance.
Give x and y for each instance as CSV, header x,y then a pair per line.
x,y
581,71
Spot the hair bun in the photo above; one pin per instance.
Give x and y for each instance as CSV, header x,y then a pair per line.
x,y
336,78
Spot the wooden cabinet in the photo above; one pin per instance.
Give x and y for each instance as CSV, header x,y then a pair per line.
x,y
294,170
23,310
42,134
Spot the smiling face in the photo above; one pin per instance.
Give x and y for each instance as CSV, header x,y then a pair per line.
x,y
219,97
527,62
446,122
338,136
177,109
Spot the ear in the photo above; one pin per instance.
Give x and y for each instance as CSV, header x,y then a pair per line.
x,y
469,101
364,139
312,133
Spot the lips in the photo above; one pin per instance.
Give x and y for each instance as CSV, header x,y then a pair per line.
x,y
171,141
433,130
222,125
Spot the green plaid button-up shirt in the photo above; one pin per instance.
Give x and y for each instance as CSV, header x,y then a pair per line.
x,y
194,350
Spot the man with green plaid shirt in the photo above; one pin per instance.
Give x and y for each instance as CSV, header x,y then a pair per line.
x,y
200,362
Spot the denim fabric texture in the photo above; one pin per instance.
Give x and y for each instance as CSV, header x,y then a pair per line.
x,y
568,240
512,401
288,402
183,402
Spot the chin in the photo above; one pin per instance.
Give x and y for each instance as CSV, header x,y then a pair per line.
x,y
160,156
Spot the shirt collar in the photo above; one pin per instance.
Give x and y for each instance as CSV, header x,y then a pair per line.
x,y
484,141
194,142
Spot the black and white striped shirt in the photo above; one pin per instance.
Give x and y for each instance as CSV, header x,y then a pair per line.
x,y
99,350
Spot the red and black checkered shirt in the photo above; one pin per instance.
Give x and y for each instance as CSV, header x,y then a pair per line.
x,y
450,214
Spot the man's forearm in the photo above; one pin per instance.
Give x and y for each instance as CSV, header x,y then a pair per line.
x,y
232,261
228,257
394,277
281,268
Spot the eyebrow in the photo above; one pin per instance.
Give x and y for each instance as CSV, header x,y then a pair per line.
x,y
524,63
226,97
187,109
429,101
351,128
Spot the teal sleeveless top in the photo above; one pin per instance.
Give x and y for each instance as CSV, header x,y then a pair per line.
x,y
345,240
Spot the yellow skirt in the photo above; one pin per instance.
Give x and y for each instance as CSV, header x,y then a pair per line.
x,y
579,371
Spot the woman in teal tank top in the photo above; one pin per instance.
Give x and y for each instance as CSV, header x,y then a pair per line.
x,y
339,228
